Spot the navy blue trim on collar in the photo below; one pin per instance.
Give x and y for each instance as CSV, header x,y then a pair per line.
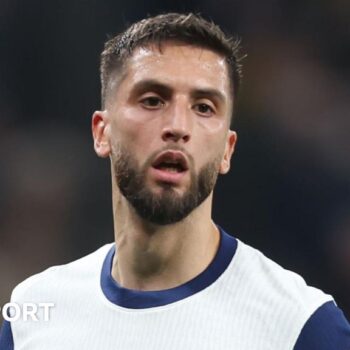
x,y
136,299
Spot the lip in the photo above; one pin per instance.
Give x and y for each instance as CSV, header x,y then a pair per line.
x,y
165,176
171,156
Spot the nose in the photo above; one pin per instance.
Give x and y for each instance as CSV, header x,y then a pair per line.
x,y
177,123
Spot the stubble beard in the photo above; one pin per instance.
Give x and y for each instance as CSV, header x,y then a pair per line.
x,y
168,206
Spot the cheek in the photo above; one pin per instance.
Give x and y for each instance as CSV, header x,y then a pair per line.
x,y
215,131
213,126
210,150
133,129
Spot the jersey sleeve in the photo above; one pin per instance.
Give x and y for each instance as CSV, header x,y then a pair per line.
x,y
6,338
326,329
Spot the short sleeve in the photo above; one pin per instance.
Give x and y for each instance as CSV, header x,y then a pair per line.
x,y
326,329
6,338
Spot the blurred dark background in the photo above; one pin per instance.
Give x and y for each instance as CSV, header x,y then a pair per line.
x,y
288,193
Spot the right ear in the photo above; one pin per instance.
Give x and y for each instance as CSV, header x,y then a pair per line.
x,y
99,126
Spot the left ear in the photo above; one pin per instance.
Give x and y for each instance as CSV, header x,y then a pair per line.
x,y
229,149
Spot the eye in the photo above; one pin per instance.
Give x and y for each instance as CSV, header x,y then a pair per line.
x,y
152,102
204,109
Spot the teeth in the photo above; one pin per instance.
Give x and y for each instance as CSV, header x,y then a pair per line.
x,y
170,168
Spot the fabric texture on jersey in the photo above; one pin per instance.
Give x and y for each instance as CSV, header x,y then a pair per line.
x,y
242,301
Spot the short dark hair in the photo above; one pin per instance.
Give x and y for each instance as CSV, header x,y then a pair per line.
x,y
188,28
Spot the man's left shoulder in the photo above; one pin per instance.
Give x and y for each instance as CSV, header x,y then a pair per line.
x,y
285,300
275,283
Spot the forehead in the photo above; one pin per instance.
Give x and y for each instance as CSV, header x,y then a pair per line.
x,y
179,64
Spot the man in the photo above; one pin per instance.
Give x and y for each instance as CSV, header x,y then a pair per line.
x,y
173,279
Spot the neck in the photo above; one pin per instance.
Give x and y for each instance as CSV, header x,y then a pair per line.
x,y
153,257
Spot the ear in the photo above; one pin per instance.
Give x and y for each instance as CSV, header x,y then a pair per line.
x,y
100,133
229,149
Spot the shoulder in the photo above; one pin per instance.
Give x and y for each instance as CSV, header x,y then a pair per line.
x,y
276,300
65,286
282,285
45,285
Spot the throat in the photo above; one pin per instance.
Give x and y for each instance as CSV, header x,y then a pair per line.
x,y
152,257
153,261
147,274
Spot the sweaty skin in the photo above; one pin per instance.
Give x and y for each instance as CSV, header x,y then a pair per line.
x,y
177,97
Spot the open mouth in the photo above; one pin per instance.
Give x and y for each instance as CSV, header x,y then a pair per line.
x,y
171,161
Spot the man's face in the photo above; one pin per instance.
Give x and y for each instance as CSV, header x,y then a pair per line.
x,y
165,128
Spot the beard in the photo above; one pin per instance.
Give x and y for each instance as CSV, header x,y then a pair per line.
x,y
168,206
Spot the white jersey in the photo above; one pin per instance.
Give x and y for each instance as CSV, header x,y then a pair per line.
x,y
242,301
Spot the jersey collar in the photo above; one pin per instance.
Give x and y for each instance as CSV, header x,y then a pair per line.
x,y
136,299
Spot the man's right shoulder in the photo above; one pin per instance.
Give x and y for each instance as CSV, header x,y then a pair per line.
x,y
46,284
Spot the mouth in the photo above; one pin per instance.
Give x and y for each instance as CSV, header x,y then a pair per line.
x,y
171,161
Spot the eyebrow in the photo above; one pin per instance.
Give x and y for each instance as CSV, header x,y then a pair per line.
x,y
209,92
166,90
151,85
